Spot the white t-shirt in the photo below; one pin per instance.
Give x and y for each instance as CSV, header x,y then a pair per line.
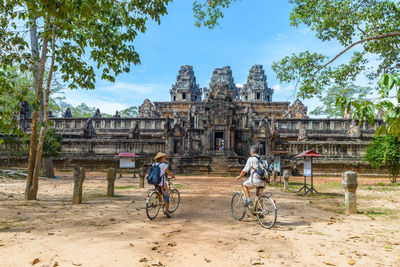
x,y
252,165
163,167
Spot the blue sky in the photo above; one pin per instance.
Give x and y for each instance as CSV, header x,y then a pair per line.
x,y
252,32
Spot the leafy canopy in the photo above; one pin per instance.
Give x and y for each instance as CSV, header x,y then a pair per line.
x,y
368,29
89,34
351,91
383,152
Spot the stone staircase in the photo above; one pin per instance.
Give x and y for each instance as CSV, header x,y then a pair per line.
x,y
219,165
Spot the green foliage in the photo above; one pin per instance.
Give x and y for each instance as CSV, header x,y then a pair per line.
x,y
208,12
372,27
129,112
351,92
386,103
82,111
99,32
384,152
52,144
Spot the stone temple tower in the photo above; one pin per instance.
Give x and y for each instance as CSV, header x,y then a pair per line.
x,y
185,89
256,88
224,76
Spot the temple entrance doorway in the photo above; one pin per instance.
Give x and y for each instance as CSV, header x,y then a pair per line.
x,y
219,140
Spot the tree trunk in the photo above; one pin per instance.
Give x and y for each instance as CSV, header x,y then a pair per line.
x,y
79,177
47,168
32,180
394,178
111,176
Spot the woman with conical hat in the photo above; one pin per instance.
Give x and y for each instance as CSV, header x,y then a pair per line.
x,y
160,159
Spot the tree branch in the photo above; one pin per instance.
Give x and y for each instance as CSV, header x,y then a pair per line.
x,y
369,38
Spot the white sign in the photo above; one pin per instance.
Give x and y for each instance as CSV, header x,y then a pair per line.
x,y
277,164
126,163
307,167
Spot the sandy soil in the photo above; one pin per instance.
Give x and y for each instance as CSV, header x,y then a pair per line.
x,y
311,230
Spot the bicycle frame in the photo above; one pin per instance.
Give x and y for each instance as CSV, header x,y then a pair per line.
x,y
253,209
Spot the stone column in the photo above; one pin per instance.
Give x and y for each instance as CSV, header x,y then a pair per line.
x,y
142,174
111,176
79,177
286,175
349,181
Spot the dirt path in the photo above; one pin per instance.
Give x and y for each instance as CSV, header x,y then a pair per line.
x,y
116,232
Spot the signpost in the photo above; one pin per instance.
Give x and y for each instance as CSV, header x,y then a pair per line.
x,y
127,161
308,155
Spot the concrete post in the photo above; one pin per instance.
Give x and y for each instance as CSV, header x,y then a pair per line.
x,y
111,177
79,177
286,175
142,174
349,182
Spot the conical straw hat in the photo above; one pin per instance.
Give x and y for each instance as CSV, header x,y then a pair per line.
x,y
159,155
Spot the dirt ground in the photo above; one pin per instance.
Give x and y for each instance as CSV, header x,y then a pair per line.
x,y
310,230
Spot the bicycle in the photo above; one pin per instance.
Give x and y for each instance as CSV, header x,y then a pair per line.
x,y
264,208
155,200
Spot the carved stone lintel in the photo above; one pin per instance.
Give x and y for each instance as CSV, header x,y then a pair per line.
x,y
302,133
88,130
296,111
354,130
148,110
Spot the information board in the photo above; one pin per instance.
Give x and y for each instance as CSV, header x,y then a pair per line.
x,y
307,167
127,163
277,164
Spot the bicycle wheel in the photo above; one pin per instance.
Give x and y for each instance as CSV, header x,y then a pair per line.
x,y
152,205
266,212
237,206
174,200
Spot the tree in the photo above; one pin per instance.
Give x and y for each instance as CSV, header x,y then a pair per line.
x,y
351,91
82,111
384,152
75,34
372,27
129,112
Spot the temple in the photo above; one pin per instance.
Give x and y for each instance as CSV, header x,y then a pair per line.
x,y
209,130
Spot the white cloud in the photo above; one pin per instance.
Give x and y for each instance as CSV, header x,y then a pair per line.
x,y
117,96
280,37
276,87
123,87
239,85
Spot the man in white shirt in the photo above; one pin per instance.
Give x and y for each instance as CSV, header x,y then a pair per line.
x,y
253,181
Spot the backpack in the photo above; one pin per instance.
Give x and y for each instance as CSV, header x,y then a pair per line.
x,y
154,177
261,170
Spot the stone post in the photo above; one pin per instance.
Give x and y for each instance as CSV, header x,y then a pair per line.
x,y
286,175
79,177
111,176
275,177
349,181
142,174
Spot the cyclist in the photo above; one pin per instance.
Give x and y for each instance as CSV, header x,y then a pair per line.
x,y
253,181
160,159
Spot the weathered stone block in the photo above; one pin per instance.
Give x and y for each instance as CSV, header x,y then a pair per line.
x,y
350,183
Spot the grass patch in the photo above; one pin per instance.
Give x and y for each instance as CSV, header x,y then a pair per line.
x,y
381,187
125,187
392,213
178,186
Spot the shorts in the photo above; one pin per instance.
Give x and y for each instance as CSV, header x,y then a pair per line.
x,y
253,183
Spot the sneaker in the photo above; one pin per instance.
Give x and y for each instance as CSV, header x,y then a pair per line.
x,y
248,203
167,213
